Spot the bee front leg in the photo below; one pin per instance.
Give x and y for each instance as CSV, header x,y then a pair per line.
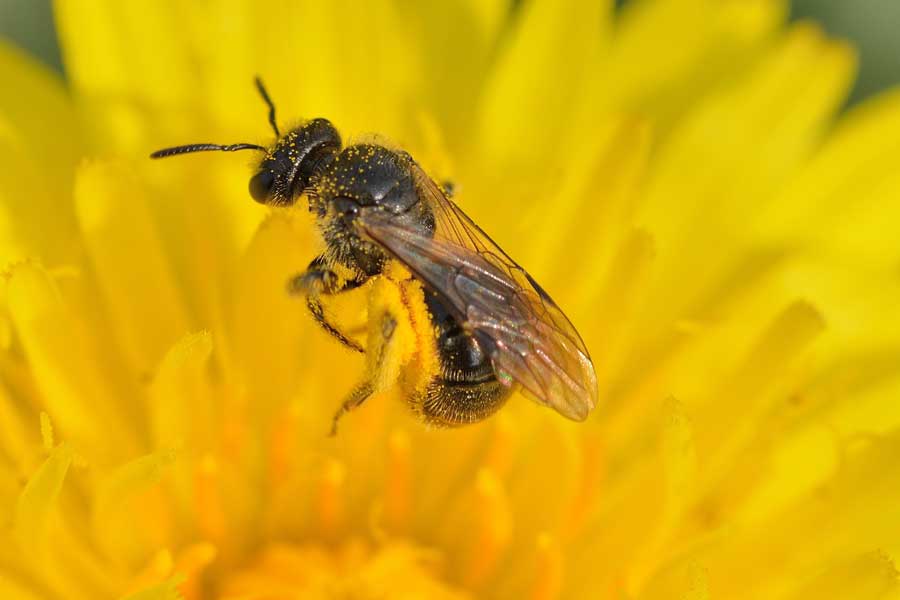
x,y
319,280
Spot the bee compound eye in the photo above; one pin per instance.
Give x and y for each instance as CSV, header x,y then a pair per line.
x,y
261,186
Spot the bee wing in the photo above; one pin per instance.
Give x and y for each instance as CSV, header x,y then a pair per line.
x,y
528,338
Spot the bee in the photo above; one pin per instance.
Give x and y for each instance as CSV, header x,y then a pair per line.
x,y
451,317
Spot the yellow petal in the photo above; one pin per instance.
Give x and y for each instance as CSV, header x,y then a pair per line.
x,y
679,457
384,69
801,463
16,433
847,195
40,113
275,338
95,34
492,444
77,392
853,514
481,552
754,385
179,411
614,301
592,208
130,264
38,501
118,500
455,59
13,590
114,59
543,64
668,55
686,580
318,74
871,576
746,145
549,569
37,130
679,462
551,449
162,591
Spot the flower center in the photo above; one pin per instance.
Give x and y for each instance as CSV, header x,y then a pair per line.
x,y
354,570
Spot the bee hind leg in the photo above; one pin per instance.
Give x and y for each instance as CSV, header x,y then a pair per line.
x,y
359,395
384,360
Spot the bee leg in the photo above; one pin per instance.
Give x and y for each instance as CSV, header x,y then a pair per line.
x,y
382,368
318,312
356,397
318,280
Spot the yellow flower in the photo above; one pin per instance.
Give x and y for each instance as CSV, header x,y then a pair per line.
x,y
675,175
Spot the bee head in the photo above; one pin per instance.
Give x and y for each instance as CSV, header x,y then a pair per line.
x,y
296,157
289,164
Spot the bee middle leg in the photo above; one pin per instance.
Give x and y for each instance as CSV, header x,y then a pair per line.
x,y
318,280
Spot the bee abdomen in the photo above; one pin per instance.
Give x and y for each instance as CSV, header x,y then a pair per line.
x,y
449,404
464,389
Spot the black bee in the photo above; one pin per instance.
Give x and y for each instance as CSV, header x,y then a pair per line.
x,y
451,317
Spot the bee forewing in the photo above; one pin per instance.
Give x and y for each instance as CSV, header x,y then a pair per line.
x,y
529,339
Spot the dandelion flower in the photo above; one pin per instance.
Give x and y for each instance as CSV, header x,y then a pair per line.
x,y
678,175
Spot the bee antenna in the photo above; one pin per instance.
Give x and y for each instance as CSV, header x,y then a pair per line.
x,y
204,148
269,103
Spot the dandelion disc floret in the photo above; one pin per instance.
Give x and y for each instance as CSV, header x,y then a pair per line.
x,y
679,174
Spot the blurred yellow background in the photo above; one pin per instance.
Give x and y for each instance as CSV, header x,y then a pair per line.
x,y
870,24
